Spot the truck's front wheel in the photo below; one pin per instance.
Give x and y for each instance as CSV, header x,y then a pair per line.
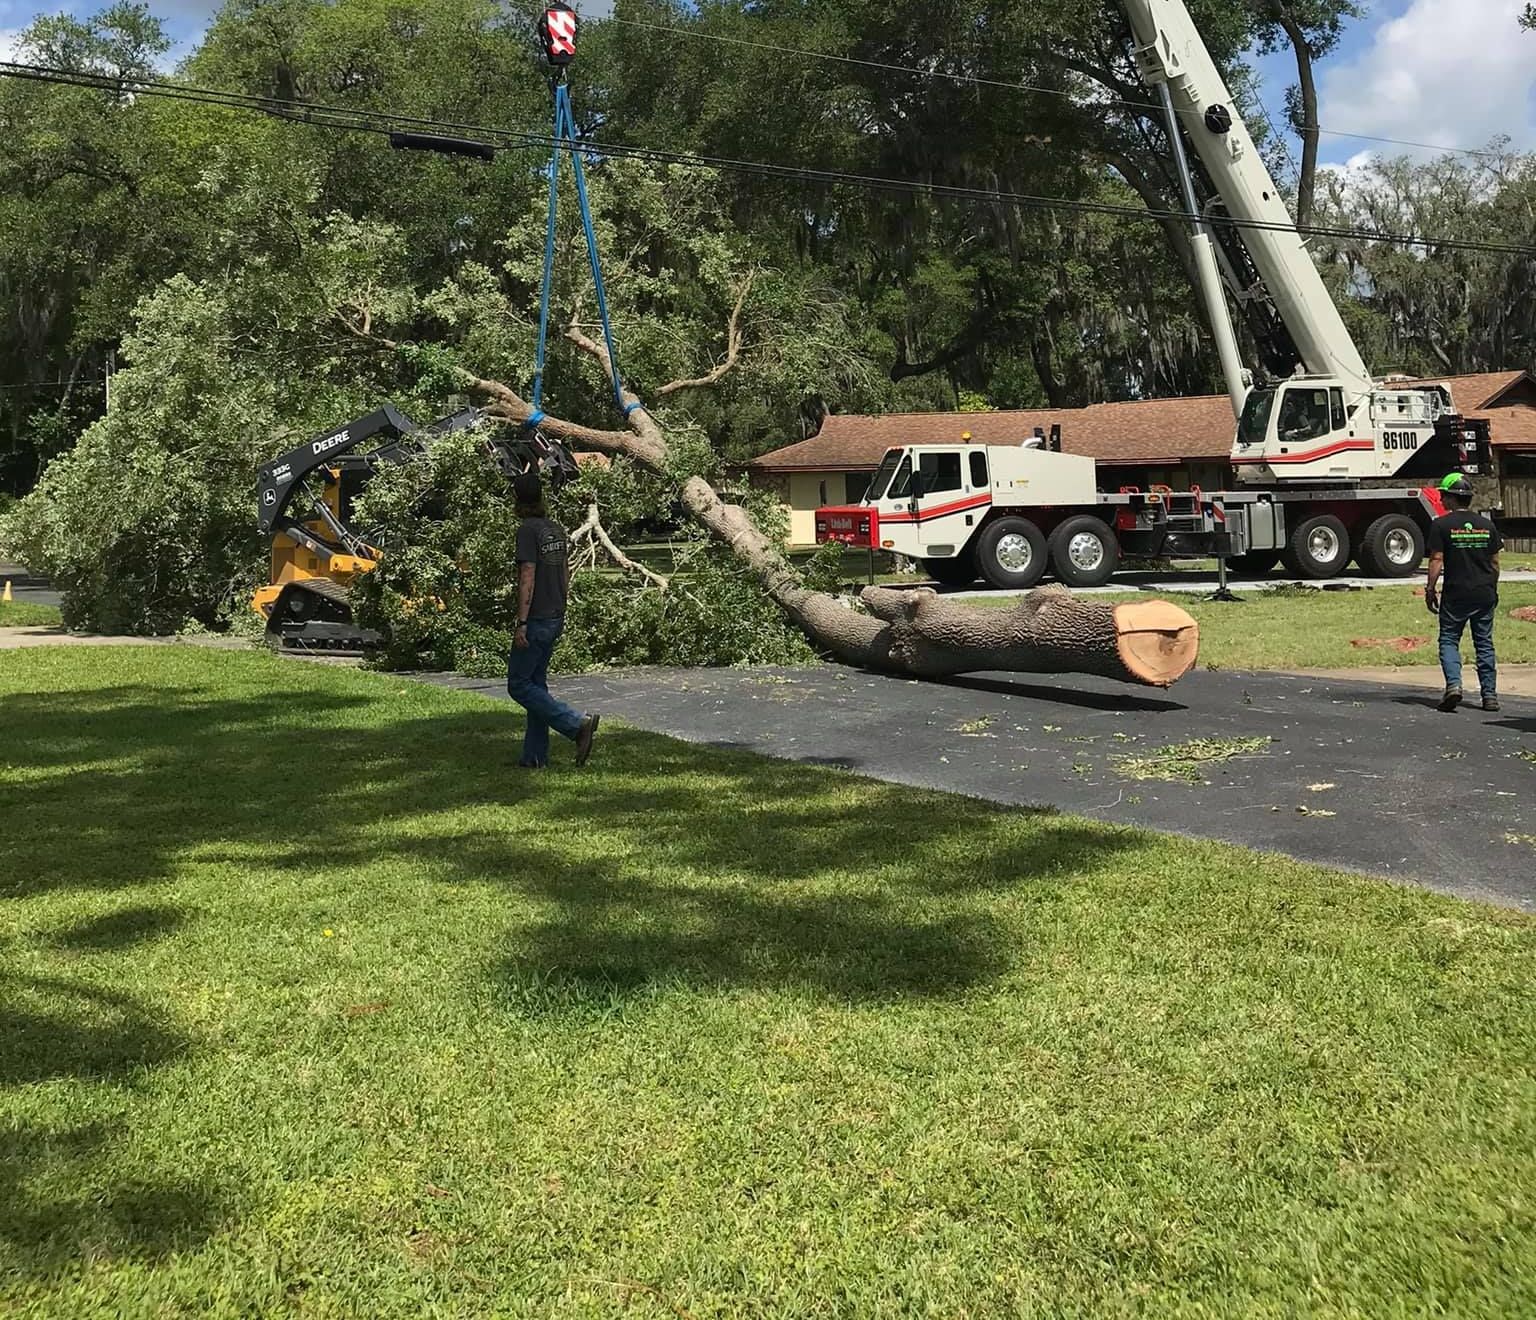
x,y
1085,552
1011,554
1319,548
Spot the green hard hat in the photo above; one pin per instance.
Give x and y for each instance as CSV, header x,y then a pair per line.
x,y
1454,482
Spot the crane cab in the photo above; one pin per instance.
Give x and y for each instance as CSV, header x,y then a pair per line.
x,y
1304,428
1316,429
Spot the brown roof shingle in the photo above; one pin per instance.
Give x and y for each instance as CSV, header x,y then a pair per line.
x,y
1153,432
1506,398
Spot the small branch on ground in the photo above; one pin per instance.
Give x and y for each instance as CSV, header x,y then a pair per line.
x,y
593,527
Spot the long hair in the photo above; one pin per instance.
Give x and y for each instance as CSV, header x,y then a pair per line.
x,y
531,509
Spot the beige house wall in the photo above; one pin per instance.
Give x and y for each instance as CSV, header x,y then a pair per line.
x,y
809,491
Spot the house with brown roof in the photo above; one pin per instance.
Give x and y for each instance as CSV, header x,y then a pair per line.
x,y
1180,443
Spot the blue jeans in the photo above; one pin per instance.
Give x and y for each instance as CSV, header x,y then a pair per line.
x,y
528,685
1452,626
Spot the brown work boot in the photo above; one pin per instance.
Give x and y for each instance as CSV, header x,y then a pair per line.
x,y
584,737
1491,705
1451,699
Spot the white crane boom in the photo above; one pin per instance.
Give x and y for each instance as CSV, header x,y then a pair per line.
x,y
1331,421
1170,51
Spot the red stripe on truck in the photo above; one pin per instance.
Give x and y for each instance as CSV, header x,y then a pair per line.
x,y
942,511
1311,455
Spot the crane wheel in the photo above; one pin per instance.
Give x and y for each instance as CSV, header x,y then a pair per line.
x,y
1011,554
1319,548
1085,552
1393,547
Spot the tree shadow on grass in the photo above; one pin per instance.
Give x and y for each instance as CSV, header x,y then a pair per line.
x,y
661,865
59,1199
124,929
55,1028
57,1208
722,869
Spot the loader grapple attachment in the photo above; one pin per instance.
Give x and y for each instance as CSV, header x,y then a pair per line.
x,y
304,499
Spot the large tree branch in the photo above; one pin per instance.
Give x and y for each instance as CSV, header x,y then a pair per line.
x,y
969,339
911,632
733,339
507,405
1306,183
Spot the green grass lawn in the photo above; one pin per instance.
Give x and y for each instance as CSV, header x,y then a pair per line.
x,y
23,614
313,1005
1318,630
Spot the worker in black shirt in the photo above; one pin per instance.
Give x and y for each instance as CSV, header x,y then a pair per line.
x,y
1464,553
543,585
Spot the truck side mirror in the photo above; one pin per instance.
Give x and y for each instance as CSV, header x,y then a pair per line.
x,y
917,486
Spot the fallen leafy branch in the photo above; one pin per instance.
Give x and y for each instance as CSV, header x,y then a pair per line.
x,y
899,632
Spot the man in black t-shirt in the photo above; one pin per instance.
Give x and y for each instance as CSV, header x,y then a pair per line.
x,y
1464,550
543,586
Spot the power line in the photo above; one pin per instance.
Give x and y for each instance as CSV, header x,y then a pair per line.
x,y
1037,89
314,113
380,122
86,384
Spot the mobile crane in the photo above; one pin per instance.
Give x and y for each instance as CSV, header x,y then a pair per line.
x,y
1313,445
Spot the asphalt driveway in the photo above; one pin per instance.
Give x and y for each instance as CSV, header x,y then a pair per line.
x,y
27,586
1363,776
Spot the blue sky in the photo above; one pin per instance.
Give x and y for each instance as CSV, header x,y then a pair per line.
x,y
1450,72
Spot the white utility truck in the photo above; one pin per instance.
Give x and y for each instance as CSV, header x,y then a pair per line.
x,y
1332,465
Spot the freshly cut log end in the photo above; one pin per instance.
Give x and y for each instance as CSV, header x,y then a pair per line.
x,y
1049,631
1158,642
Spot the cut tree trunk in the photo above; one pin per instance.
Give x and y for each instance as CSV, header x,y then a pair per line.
x,y
1050,631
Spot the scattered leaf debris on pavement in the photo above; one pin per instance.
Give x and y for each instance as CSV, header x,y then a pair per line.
x,y
1187,762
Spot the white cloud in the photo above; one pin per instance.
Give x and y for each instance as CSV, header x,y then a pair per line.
x,y
1447,72
8,39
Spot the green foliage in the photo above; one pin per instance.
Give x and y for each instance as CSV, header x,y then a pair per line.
x,y
1437,311
138,525
79,174
445,592
714,614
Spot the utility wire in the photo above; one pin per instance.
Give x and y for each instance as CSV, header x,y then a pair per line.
x,y
1038,89
383,122
44,384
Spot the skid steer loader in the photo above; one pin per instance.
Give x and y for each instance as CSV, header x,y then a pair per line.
x,y
304,501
